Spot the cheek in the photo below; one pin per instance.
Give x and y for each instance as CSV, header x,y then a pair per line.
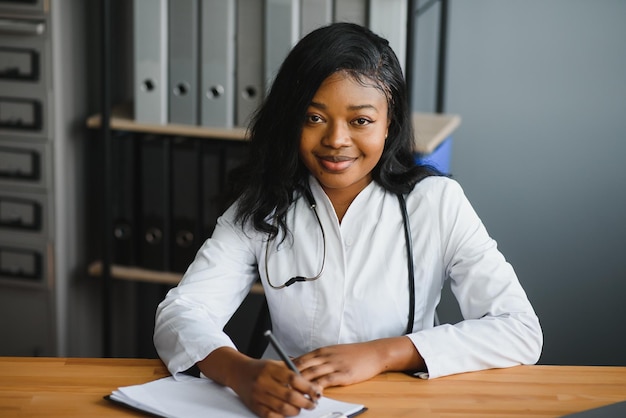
x,y
304,151
374,149
306,144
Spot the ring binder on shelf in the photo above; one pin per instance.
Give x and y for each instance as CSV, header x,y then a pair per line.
x,y
389,18
353,11
217,46
315,13
186,228
211,186
150,50
282,31
154,205
249,63
125,229
183,51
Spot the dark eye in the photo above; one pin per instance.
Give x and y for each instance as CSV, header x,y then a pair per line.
x,y
362,121
313,118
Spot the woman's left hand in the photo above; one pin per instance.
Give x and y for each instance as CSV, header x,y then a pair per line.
x,y
345,364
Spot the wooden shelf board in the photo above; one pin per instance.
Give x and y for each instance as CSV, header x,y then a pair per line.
x,y
139,274
121,119
431,129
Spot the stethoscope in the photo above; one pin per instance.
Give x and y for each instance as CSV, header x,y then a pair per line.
x,y
409,250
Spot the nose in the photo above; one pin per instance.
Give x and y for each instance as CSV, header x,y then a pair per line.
x,y
337,135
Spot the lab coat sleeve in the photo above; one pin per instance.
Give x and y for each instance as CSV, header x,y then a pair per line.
x,y
500,327
190,320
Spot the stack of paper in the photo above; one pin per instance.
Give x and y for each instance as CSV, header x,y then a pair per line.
x,y
200,397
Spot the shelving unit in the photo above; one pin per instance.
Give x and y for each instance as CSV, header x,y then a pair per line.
x,y
120,121
431,131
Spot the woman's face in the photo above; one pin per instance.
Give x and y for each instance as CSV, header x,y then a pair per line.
x,y
344,134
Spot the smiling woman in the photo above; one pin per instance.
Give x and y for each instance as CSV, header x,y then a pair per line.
x,y
343,137
328,192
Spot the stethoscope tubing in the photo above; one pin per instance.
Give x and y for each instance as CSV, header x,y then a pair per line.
x,y
409,250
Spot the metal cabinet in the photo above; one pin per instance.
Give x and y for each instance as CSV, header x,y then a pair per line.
x,y
41,99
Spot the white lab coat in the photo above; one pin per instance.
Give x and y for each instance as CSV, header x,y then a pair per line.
x,y
363,291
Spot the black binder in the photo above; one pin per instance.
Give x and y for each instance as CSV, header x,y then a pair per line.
x,y
154,214
154,203
211,187
186,225
219,159
125,231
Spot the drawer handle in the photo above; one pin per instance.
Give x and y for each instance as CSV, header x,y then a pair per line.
x,y
21,27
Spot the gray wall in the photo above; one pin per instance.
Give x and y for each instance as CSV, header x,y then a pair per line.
x,y
541,88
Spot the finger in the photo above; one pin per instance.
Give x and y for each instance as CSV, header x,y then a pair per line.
x,y
310,390
311,360
272,404
286,402
286,377
328,374
312,356
332,379
314,370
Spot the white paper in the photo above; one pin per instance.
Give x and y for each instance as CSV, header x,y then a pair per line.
x,y
191,397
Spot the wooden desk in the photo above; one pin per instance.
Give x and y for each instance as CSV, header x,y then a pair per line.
x,y
74,387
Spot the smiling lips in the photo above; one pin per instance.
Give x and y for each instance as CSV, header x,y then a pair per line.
x,y
335,163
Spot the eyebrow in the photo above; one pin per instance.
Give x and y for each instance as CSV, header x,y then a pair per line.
x,y
351,107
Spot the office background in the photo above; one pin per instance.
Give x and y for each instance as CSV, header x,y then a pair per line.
x,y
541,90
541,87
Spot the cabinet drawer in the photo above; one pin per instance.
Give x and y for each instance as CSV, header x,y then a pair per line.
x,y
22,215
21,114
27,331
20,64
22,264
31,7
23,62
23,164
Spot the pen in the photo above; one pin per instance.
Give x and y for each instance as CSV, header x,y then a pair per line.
x,y
281,352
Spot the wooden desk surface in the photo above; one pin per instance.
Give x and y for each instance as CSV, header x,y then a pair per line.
x,y
74,387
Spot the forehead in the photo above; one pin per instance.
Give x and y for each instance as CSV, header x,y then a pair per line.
x,y
346,86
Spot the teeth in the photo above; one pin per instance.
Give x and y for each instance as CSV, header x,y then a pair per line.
x,y
338,159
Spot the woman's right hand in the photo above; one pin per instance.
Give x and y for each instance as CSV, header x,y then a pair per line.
x,y
268,388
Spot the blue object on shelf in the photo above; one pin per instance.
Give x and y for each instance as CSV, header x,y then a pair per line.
x,y
439,158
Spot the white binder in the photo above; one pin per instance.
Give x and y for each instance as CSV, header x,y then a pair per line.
x,y
249,64
150,60
183,86
315,13
217,68
388,18
282,31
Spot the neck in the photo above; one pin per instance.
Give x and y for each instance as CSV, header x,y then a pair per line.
x,y
341,199
340,208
